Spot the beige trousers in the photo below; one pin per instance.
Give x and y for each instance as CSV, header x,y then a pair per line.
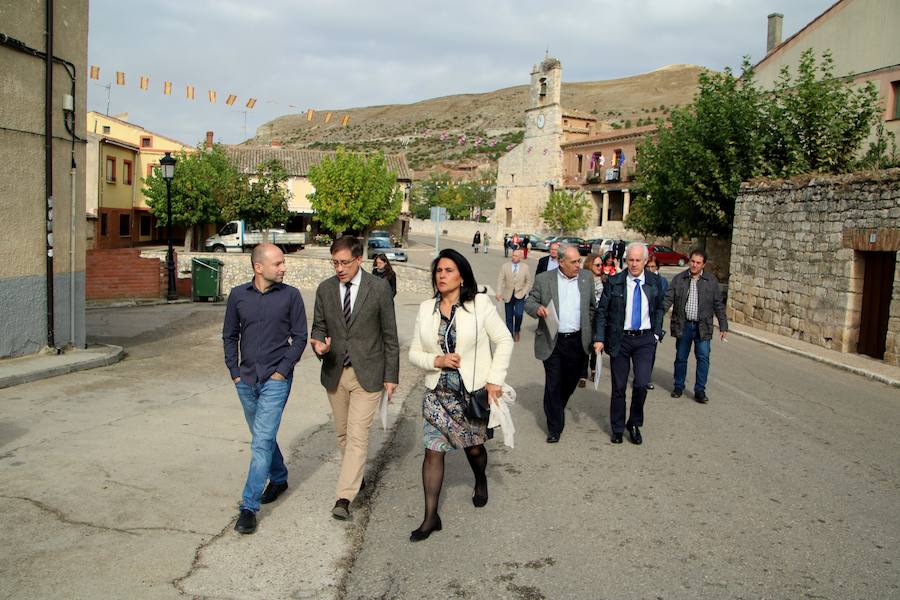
x,y
353,409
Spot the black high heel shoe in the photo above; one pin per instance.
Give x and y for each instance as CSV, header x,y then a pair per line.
x,y
477,499
420,534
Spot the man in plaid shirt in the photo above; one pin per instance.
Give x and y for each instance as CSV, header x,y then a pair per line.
x,y
696,297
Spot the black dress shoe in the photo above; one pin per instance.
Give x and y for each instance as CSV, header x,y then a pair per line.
x,y
650,386
552,438
341,509
420,534
246,523
676,393
616,438
273,490
480,500
701,397
634,434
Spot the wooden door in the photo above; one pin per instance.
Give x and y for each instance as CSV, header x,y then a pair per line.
x,y
878,286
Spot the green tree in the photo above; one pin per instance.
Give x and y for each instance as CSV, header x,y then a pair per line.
x,y
203,181
690,175
816,123
565,212
354,192
261,201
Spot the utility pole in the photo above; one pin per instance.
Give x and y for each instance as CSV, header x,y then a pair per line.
x,y
108,87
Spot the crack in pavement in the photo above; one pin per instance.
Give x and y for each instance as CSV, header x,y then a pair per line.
x,y
63,518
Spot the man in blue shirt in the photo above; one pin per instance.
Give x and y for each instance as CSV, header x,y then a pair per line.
x,y
265,319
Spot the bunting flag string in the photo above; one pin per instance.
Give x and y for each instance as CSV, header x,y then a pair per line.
x,y
189,92
120,78
230,100
167,88
95,72
212,96
145,83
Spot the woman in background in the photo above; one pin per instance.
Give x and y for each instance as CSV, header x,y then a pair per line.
x,y
594,264
653,267
381,267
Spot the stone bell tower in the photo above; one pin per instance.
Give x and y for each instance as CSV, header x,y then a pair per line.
x,y
530,171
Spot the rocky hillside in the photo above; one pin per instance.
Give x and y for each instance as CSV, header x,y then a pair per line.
x,y
476,129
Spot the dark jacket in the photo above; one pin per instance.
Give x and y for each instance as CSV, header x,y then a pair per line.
x,y
370,338
477,239
709,302
543,263
609,324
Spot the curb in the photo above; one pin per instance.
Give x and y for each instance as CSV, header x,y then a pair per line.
x,y
113,355
833,363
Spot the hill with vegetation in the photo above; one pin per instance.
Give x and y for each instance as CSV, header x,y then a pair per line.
x,y
475,129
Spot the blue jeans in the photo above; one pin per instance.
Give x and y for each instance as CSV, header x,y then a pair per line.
x,y
691,334
514,309
263,404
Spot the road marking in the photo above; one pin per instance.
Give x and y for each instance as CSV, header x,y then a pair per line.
x,y
758,401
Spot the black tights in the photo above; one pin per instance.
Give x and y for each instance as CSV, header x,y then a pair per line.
x,y
433,479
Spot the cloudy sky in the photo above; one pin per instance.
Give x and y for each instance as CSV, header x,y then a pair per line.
x,y
333,54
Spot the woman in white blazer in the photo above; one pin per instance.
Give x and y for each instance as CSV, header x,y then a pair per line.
x,y
452,341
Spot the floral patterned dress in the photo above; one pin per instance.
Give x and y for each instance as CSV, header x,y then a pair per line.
x,y
445,424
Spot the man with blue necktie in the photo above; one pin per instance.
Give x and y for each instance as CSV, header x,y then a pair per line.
x,y
628,325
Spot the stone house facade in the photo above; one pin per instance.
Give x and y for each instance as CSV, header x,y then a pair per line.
x,y
816,259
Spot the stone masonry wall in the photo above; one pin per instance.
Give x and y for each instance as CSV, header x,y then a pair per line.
x,y
797,262
302,271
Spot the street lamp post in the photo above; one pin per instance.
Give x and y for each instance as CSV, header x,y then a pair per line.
x,y
167,164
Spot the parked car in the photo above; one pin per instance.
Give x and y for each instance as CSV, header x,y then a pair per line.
x,y
380,233
583,247
542,243
600,246
667,256
383,246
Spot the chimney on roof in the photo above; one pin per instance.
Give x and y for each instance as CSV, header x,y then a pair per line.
x,y
209,140
275,143
774,37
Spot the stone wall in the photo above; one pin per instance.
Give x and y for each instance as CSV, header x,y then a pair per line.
x,y
462,231
798,256
304,272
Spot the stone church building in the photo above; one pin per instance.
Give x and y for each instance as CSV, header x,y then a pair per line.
x,y
563,149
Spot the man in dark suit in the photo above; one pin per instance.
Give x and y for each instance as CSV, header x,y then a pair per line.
x,y
571,289
628,326
549,262
354,333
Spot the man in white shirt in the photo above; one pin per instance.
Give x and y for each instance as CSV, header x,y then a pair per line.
x,y
565,351
628,327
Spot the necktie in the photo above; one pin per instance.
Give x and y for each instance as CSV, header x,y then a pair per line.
x,y
348,285
636,306
515,267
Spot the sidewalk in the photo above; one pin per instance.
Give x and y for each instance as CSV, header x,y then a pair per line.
x,y
855,363
15,371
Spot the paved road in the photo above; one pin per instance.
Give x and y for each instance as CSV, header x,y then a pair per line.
x,y
786,485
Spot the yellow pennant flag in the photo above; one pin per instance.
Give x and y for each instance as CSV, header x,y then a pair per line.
x,y
345,120
251,102
95,72
120,78
327,117
310,113
145,82
212,96
167,88
230,100
189,92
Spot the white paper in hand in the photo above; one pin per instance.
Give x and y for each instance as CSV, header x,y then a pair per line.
x,y
552,320
382,409
598,371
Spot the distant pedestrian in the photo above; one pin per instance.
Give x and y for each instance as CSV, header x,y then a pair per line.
x,y
513,284
526,241
696,296
653,267
485,240
620,253
476,241
609,266
354,333
505,245
628,327
452,342
264,335
551,261
381,267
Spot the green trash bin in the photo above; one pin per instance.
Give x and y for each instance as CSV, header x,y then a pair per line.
x,y
206,279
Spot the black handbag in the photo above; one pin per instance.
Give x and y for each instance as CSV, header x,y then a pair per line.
x,y
478,406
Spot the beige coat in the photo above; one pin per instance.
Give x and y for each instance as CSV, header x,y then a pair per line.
x,y
508,282
491,329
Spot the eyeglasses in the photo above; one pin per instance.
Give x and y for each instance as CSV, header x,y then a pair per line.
x,y
598,264
343,263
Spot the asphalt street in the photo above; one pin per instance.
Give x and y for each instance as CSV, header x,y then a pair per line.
x,y
123,482
785,485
